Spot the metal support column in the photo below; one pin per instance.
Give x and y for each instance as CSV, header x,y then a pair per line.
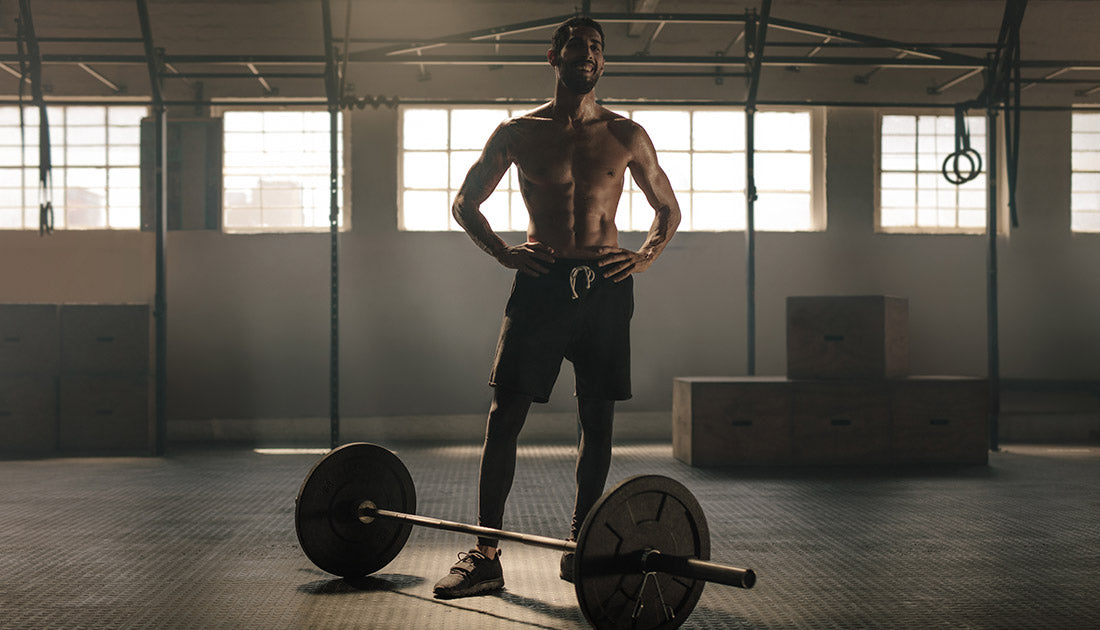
x,y
160,212
755,35
992,333
1002,72
331,91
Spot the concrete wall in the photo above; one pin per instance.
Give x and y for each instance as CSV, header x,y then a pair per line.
x,y
248,314
248,327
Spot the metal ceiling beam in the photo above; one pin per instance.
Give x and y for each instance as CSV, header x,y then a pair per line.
x,y
241,75
321,101
674,75
99,77
938,89
1031,83
13,72
671,18
523,27
676,60
263,81
82,40
664,60
653,37
480,34
640,6
878,42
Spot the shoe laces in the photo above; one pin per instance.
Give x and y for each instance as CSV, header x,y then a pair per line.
x,y
468,560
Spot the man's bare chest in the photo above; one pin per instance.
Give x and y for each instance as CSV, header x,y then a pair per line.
x,y
548,157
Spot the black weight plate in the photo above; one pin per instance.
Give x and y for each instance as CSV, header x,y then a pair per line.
x,y
326,514
645,512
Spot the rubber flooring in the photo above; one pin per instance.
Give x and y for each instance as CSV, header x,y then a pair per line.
x,y
206,539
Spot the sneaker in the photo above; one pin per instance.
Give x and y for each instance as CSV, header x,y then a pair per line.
x,y
473,574
566,568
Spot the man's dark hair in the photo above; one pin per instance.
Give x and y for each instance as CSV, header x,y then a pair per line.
x,y
561,34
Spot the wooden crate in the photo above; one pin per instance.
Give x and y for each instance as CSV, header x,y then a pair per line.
x,y
28,339
101,413
841,422
28,414
847,337
105,338
940,420
730,421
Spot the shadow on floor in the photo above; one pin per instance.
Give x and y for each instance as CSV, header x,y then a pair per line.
x,y
396,583
567,613
370,583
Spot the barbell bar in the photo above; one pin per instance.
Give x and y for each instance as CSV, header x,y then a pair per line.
x,y
641,557
649,560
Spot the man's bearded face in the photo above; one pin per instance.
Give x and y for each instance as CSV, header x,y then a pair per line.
x,y
580,61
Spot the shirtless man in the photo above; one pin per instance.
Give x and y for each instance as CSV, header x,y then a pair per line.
x,y
573,292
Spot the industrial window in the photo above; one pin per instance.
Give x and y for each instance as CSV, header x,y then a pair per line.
x,y
1085,189
702,150
96,176
276,171
913,195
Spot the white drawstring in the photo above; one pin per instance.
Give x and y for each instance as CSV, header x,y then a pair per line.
x,y
589,276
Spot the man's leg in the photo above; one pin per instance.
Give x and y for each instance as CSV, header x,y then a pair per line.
x,y
479,570
498,460
593,456
593,462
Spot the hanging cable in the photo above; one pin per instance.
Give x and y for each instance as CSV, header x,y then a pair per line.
x,y
1012,129
45,164
956,174
24,72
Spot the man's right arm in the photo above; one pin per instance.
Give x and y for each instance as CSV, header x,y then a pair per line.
x,y
480,182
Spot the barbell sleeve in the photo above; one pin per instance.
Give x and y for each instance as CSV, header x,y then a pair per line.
x,y
654,560
367,511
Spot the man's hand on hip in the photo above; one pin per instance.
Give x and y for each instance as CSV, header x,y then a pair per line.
x,y
528,258
617,263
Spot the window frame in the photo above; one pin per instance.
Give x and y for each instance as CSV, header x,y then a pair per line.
x,y
1072,191
818,197
1003,214
30,194
219,111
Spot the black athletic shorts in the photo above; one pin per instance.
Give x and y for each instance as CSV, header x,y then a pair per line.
x,y
571,312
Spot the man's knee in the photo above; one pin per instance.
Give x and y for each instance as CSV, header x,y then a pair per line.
x,y
508,413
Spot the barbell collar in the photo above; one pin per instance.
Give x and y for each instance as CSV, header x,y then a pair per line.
x,y
653,560
367,512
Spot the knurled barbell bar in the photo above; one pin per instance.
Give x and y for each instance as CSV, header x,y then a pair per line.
x,y
641,558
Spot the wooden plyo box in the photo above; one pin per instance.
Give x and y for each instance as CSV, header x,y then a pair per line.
x,y
719,420
854,337
845,422
748,421
940,419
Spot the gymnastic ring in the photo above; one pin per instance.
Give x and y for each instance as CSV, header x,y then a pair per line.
x,y
972,156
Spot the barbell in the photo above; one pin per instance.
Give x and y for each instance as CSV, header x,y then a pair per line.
x,y
641,557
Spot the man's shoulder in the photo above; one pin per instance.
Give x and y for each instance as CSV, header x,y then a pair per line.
x,y
628,131
538,114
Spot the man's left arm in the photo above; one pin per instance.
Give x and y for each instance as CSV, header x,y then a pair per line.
x,y
647,173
